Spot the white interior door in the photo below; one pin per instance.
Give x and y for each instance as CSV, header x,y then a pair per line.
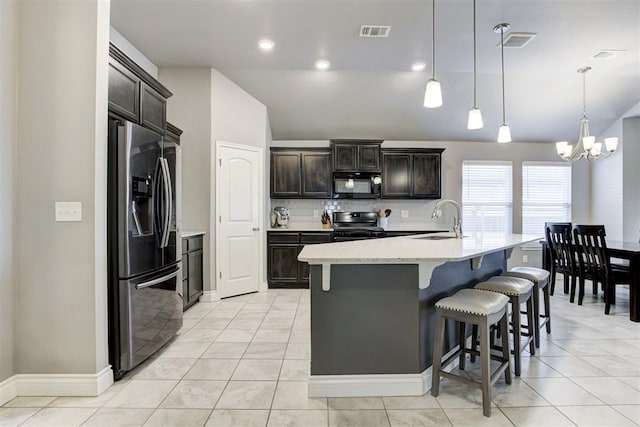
x,y
239,208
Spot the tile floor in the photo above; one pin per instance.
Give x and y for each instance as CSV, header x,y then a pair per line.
x,y
244,361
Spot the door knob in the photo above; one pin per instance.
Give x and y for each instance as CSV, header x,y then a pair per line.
x,y
256,228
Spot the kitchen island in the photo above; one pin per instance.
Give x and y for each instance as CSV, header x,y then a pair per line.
x,y
372,307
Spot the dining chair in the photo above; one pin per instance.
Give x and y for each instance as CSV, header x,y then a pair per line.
x,y
563,257
595,265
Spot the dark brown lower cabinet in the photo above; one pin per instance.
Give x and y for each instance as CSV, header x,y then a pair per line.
x,y
192,276
283,268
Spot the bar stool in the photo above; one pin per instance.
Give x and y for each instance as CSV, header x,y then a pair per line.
x,y
481,309
540,279
519,291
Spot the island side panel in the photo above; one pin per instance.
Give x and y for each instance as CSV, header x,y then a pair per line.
x,y
368,323
446,280
375,319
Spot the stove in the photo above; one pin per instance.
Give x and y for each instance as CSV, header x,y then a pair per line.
x,y
349,226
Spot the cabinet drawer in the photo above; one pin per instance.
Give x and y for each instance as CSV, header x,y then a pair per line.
x,y
322,237
278,237
194,243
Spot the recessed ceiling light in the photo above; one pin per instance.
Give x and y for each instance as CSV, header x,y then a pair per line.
x,y
607,54
418,66
266,44
322,64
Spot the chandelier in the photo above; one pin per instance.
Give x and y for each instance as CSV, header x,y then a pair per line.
x,y
586,147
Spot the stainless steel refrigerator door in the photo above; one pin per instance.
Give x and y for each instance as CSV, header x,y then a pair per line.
x,y
150,315
170,155
140,198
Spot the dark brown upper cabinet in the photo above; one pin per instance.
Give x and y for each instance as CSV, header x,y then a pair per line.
x,y
356,155
153,109
300,174
411,173
134,94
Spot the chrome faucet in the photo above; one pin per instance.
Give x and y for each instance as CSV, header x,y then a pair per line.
x,y
457,219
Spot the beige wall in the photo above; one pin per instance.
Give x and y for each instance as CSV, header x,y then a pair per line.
x,y
8,146
190,109
61,310
631,179
208,107
611,180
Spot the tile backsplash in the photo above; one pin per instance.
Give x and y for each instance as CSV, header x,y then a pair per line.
x,y
419,211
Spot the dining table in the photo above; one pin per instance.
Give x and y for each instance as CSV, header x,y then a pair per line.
x,y
629,251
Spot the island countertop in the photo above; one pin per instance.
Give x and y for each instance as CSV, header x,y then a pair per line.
x,y
412,249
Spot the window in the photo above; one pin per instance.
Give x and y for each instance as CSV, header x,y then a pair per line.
x,y
546,195
486,197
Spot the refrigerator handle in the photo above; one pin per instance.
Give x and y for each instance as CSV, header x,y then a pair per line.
x,y
168,202
157,200
158,280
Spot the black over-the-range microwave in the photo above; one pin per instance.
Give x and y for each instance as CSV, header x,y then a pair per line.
x,y
356,185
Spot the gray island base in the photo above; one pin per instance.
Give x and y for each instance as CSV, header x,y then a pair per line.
x,y
373,320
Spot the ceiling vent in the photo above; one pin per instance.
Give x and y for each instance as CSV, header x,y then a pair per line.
x,y
517,40
607,54
375,30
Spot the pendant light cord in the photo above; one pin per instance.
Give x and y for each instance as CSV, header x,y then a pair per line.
x,y
433,39
584,94
475,103
502,54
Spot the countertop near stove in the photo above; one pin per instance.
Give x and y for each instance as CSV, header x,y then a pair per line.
x,y
301,227
426,228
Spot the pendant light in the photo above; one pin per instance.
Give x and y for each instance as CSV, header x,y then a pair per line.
x,y
433,93
475,115
504,133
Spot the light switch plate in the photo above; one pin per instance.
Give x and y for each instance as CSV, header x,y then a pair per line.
x,y
404,214
68,211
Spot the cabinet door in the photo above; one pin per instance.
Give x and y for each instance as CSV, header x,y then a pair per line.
x,y
303,268
316,175
396,170
283,263
369,157
426,176
124,91
195,275
153,109
345,157
285,175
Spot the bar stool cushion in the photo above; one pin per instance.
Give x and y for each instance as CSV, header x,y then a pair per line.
x,y
536,275
473,301
512,286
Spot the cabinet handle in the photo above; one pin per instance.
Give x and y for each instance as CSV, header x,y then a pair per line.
x,y
256,228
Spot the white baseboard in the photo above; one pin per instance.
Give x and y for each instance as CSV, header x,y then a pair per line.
x,y
56,385
264,286
378,385
8,389
209,296
370,385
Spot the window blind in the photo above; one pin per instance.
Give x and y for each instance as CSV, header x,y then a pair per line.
x,y
546,195
487,197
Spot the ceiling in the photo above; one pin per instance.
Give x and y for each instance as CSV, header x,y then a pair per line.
x,y
370,90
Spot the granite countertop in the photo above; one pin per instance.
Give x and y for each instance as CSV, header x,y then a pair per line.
x,y
186,234
301,227
412,249
394,227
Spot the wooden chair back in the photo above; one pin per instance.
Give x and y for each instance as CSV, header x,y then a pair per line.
x,y
592,251
560,242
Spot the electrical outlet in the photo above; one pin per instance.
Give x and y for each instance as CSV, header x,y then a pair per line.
x,y
316,213
68,211
404,214
525,258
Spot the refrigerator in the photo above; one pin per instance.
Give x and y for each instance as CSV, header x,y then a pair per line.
x,y
144,305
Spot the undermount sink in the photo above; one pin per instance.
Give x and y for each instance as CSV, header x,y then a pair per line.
x,y
436,237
